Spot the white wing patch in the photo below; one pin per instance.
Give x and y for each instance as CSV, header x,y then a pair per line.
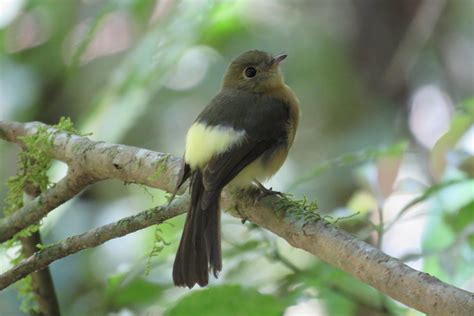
x,y
203,142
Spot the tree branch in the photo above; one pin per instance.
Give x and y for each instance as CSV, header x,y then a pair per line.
x,y
106,161
88,162
101,160
32,212
92,239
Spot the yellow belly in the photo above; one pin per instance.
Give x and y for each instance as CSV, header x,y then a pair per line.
x,y
261,169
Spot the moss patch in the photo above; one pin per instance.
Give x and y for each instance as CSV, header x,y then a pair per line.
x,y
33,164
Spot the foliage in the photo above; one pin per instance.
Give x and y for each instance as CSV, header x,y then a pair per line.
x,y
158,244
306,210
121,291
427,194
232,300
348,159
33,164
342,293
460,220
302,209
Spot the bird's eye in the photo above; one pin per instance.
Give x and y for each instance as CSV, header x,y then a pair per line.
x,y
250,72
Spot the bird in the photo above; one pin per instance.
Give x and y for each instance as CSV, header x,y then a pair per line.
x,y
241,138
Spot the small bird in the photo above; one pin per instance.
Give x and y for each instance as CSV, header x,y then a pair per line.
x,y
241,138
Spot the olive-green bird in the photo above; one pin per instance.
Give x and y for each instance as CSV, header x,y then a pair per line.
x,y
242,137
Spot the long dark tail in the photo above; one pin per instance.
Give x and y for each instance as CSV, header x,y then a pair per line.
x,y
200,247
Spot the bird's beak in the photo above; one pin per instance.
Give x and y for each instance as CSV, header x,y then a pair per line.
x,y
278,59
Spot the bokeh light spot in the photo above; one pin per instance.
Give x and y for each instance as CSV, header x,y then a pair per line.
x,y
430,114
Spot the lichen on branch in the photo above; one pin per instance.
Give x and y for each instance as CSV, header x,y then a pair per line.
x,y
34,162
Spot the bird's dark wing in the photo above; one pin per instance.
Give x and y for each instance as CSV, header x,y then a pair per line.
x,y
220,170
264,120
260,116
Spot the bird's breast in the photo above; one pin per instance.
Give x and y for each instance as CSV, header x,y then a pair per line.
x,y
286,94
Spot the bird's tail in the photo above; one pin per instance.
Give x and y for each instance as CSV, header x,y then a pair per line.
x,y
200,246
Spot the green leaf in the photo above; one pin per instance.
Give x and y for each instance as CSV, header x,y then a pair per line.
x,y
468,107
447,262
459,125
459,220
340,292
430,192
228,300
120,293
246,247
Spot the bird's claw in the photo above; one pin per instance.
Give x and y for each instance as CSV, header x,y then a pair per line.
x,y
264,192
243,218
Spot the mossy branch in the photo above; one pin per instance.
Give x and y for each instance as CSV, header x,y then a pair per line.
x,y
107,161
36,291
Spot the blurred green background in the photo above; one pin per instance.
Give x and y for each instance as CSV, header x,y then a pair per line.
x,y
386,90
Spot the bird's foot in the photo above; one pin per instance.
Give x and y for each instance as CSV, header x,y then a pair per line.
x,y
243,218
264,192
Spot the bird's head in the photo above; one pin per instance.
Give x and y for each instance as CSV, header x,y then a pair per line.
x,y
254,71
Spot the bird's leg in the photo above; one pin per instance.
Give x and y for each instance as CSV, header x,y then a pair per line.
x,y
264,191
243,218
239,192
